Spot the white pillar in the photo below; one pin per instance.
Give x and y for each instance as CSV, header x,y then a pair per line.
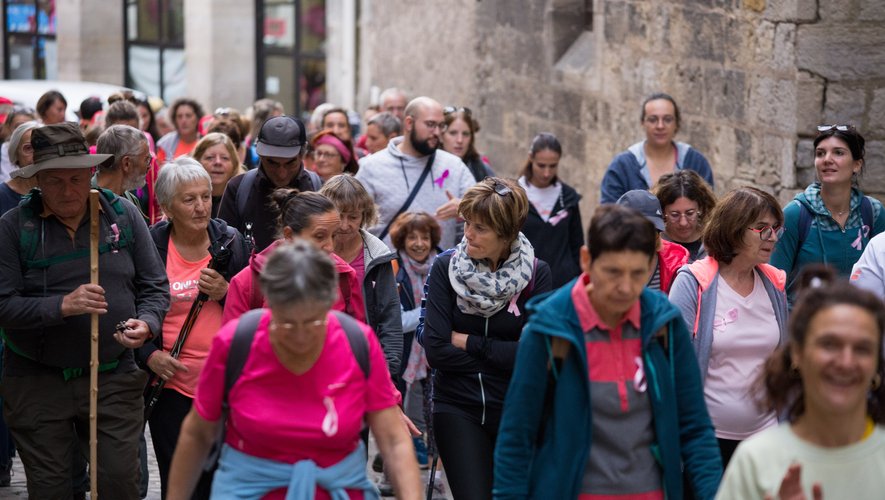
x,y
341,52
90,41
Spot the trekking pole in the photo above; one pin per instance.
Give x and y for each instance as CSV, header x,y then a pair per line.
x,y
220,257
93,357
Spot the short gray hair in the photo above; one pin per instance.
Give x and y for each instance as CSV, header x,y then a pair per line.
x,y
387,123
176,173
120,141
391,93
299,272
16,138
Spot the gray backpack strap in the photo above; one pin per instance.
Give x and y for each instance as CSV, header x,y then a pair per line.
x,y
315,182
357,339
244,189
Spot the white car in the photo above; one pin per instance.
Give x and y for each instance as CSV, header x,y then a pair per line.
x,y
28,92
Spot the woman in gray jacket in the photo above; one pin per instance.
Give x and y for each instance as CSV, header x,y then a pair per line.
x,y
372,261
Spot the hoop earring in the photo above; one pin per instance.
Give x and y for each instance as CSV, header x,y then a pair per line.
x,y
877,381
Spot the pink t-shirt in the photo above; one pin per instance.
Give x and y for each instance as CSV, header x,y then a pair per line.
x,y
183,278
745,333
359,265
281,416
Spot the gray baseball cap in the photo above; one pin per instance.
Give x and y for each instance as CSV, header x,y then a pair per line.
x,y
645,203
281,137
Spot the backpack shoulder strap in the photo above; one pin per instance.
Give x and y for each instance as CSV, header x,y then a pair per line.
x,y
315,182
866,213
357,340
804,225
244,189
239,350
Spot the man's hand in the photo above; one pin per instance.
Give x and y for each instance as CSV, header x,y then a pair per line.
x,y
164,365
86,299
134,335
450,209
212,284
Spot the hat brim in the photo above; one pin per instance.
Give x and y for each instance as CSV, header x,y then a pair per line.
x,y
658,223
78,161
264,149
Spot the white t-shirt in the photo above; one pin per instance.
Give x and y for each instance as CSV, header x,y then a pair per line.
x,y
543,199
745,332
869,270
855,472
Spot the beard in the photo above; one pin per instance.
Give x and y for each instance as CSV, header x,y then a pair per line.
x,y
422,147
134,182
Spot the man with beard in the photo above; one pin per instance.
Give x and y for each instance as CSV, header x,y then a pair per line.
x,y
413,175
132,158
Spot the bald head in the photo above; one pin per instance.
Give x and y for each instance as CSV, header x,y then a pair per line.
x,y
420,106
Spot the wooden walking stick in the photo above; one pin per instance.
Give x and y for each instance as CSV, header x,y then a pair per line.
x,y
93,358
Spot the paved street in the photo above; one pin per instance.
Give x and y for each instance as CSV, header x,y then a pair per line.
x,y
18,488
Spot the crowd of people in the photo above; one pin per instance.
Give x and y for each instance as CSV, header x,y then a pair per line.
x,y
274,290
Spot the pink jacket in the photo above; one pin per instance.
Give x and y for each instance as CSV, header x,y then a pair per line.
x,y
244,294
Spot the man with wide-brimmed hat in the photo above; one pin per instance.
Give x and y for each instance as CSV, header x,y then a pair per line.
x,y
45,306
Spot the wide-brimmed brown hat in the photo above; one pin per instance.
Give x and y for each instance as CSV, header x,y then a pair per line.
x,y
60,146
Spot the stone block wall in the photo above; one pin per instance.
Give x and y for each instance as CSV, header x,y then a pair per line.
x,y
753,78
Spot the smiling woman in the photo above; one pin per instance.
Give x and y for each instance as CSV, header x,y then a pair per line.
x,y
831,221
828,381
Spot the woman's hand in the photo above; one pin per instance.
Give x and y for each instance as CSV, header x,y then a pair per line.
x,y
212,284
459,340
164,365
791,486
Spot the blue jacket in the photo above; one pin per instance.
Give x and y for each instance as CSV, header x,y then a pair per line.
x,y
554,468
825,241
243,476
629,170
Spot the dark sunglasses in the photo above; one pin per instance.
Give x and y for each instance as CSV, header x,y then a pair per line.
x,y
452,109
502,189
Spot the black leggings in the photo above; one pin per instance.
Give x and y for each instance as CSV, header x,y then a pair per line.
x,y
467,450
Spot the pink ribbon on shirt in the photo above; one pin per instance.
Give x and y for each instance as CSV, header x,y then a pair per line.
x,y
558,217
442,178
513,308
862,232
639,382
330,421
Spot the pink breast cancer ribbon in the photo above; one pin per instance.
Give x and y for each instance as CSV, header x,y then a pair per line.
x,y
513,308
442,178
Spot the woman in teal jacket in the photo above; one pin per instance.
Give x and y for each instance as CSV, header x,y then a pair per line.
x,y
550,423
832,221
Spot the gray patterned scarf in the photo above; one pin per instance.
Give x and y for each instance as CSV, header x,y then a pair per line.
x,y
483,292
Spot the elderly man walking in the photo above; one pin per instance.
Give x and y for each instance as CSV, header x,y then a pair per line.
x,y
45,305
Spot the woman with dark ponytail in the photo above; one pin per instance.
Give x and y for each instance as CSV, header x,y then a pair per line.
x,y
309,216
827,382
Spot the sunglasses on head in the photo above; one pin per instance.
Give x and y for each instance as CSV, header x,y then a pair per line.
x,y
840,128
502,189
452,109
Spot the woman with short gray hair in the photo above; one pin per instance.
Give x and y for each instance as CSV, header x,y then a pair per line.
x,y
303,360
201,255
20,154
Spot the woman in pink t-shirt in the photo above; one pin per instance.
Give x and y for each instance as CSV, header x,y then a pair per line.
x,y
735,306
184,240
297,408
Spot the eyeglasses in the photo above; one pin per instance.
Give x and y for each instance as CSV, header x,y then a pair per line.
x,y
452,109
323,155
765,232
690,216
502,189
434,125
840,128
289,326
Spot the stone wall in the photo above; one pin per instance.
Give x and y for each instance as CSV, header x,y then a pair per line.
x,y
753,77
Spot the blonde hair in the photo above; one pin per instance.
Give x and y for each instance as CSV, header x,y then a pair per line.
x,y
500,203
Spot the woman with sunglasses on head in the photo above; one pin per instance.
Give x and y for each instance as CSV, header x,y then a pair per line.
x,y
734,304
553,224
642,164
475,309
827,380
831,221
685,200
459,138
